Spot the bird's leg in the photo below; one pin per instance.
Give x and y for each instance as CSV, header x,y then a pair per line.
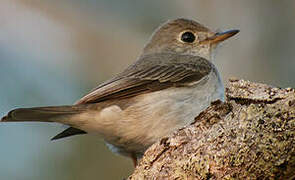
x,y
134,159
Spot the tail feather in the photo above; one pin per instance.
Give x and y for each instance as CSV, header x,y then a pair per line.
x,y
42,114
68,132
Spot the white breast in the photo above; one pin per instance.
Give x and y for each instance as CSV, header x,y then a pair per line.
x,y
158,114
183,104
153,115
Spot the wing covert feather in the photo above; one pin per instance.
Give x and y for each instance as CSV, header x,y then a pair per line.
x,y
151,73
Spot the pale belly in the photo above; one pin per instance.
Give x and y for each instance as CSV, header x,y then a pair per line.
x,y
158,114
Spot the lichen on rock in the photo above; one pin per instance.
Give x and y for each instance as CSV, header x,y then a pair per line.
x,y
250,136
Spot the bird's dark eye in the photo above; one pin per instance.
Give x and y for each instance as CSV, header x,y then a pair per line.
x,y
188,37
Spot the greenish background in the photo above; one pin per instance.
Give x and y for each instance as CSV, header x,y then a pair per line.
x,y
52,52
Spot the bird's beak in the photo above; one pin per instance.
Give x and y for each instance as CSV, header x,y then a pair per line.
x,y
220,36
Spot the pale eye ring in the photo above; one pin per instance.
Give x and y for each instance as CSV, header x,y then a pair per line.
x,y
188,37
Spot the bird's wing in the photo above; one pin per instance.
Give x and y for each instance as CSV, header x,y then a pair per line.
x,y
151,73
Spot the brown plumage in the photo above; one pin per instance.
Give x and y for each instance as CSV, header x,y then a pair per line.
x,y
171,82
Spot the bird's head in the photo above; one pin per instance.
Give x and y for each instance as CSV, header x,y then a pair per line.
x,y
185,36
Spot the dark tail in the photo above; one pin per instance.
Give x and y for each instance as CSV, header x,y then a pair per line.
x,y
68,132
47,114
42,114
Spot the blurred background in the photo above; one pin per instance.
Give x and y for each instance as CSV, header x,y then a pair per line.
x,y
52,52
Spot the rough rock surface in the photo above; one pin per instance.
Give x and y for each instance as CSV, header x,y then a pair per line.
x,y
250,136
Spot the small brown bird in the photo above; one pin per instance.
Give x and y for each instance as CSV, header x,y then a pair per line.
x,y
171,82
